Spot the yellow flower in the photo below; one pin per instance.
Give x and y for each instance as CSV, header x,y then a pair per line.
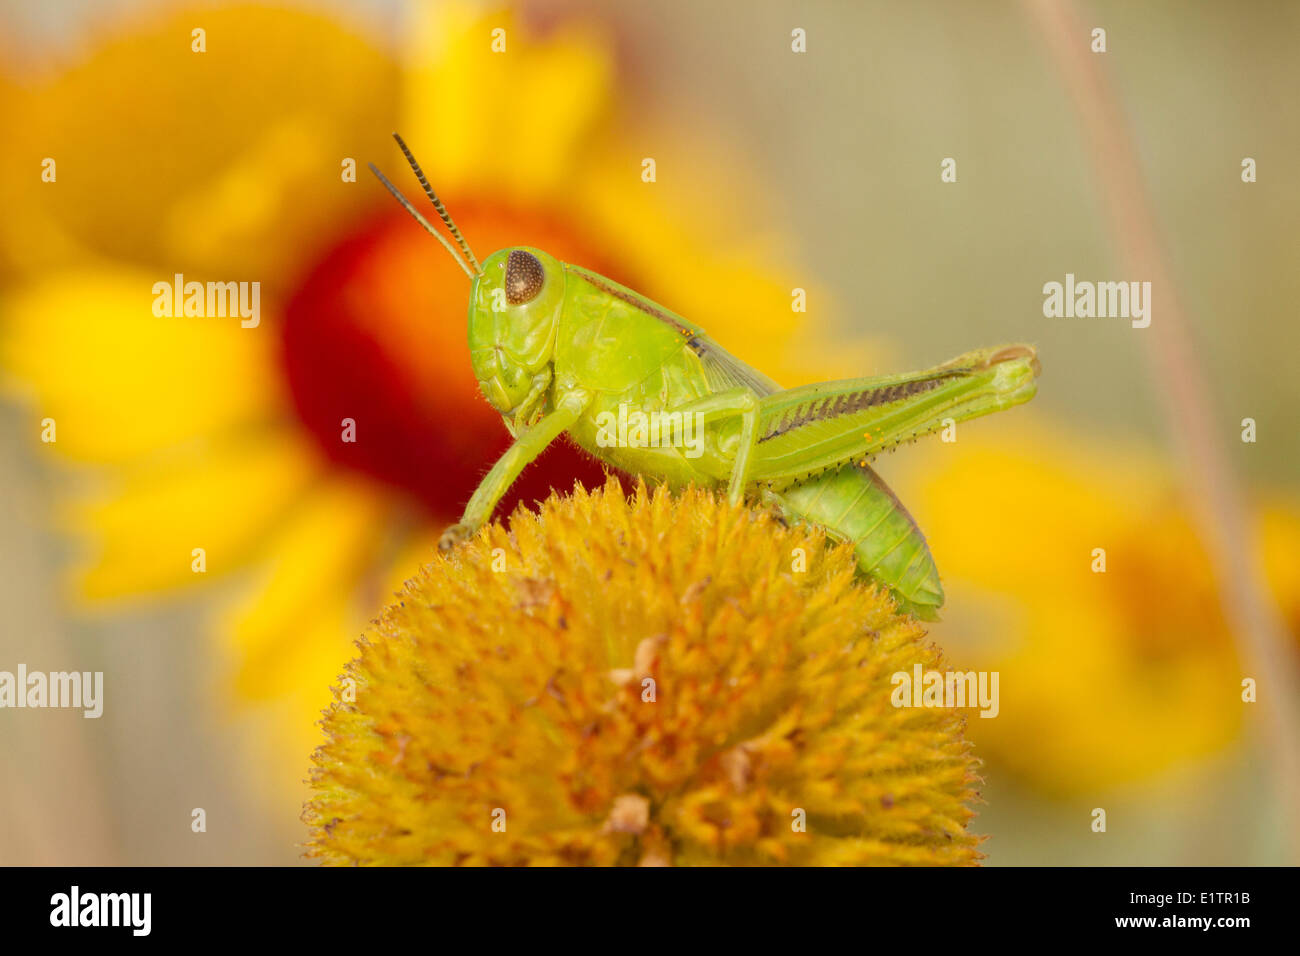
x,y
644,681
1106,676
223,448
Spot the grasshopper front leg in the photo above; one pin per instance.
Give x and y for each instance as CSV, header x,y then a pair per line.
x,y
530,443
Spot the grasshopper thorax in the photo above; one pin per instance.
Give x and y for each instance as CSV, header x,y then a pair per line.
x,y
514,310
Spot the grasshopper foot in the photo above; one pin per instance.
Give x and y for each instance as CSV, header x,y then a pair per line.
x,y
775,504
453,536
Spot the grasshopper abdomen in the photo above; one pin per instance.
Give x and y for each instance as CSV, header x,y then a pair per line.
x,y
853,504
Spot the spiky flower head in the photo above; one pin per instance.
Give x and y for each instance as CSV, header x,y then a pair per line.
x,y
664,679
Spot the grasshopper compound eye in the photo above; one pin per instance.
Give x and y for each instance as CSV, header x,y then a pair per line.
x,y
524,277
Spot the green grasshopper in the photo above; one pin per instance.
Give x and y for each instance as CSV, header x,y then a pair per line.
x,y
557,348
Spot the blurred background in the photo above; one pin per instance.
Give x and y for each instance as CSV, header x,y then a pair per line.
x,y
774,170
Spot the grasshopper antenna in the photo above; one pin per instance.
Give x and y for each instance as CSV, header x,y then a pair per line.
x,y
406,203
437,204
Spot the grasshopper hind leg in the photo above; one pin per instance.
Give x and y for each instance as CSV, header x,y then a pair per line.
x,y
853,504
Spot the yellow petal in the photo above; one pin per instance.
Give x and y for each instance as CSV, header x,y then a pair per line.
x,y
1020,490
1105,677
327,547
1279,535
154,141
120,382
144,530
518,119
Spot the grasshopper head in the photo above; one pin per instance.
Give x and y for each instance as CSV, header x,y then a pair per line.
x,y
514,309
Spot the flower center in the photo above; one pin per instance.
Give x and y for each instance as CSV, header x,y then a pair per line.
x,y
375,354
